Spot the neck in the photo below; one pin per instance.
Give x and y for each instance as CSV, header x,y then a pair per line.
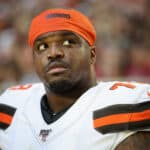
x,y
59,102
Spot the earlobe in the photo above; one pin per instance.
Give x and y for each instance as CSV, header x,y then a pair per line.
x,y
93,54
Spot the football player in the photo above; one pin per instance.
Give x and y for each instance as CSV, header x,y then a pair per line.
x,y
69,109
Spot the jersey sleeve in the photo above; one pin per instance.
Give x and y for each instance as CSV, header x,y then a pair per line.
x,y
129,114
10,101
13,103
141,111
126,110
138,116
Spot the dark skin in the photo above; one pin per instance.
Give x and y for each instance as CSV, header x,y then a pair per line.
x,y
138,141
65,62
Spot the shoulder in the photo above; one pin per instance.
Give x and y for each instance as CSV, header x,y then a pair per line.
x,y
123,85
129,102
18,94
122,109
132,91
14,98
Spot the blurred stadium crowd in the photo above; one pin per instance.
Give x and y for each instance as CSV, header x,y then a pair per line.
x,y
123,38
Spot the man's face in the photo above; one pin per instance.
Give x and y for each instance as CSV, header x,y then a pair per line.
x,y
63,59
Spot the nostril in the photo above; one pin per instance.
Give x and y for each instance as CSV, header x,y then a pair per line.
x,y
55,56
49,57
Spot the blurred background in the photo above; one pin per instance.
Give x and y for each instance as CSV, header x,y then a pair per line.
x,y
122,45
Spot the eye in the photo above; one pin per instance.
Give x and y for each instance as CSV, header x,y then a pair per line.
x,y
68,43
42,47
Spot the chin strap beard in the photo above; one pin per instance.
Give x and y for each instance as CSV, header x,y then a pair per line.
x,y
60,87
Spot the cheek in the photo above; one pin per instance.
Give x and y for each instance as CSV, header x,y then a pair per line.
x,y
81,60
38,63
84,57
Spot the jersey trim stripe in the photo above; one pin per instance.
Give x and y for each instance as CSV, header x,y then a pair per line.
x,y
7,109
122,114
121,108
5,118
132,126
122,118
3,125
6,115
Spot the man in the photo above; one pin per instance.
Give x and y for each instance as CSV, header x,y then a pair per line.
x,y
71,111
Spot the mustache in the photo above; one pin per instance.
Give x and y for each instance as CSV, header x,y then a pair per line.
x,y
56,63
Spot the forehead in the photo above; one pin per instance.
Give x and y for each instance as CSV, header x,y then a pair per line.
x,y
58,35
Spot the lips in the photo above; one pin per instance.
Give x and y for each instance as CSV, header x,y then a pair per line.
x,y
56,68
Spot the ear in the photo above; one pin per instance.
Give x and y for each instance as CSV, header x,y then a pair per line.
x,y
93,54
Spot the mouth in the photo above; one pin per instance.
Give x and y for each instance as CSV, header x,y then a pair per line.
x,y
56,68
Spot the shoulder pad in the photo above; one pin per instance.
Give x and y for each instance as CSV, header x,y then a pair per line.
x,y
17,95
124,106
123,88
14,98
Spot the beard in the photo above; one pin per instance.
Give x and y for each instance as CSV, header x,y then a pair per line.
x,y
61,87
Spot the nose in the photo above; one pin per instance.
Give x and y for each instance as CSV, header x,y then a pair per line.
x,y
55,51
